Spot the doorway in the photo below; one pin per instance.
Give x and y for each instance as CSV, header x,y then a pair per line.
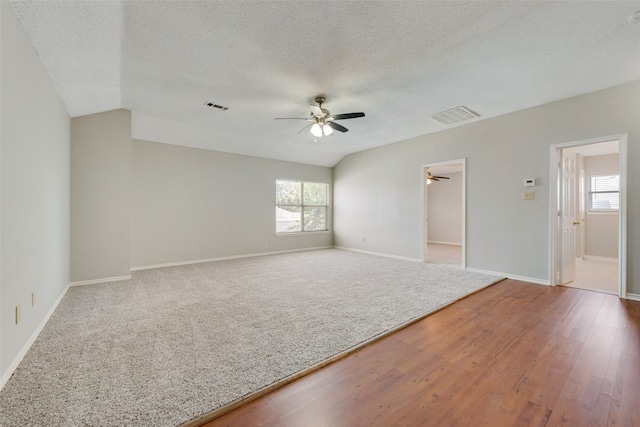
x,y
588,215
443,213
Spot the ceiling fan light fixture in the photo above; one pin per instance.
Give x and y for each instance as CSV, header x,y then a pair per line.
x,y
322,122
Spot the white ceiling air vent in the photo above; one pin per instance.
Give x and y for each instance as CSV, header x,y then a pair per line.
x,y
216,106
455,115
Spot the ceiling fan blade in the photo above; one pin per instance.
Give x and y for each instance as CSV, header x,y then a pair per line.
x,y
316,111
347,116
304,128
441,177
337,126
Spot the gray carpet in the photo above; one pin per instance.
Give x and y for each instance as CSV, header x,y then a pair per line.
x,y
172,344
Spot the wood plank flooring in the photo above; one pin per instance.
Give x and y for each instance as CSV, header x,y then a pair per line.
x,y
514,354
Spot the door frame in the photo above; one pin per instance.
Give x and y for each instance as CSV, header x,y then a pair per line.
x,y
424,201
554,194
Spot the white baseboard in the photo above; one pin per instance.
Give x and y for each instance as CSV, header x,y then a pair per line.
x,y
511,276
29,343
95,281
600,258
379,254
444,243
634,297
225,258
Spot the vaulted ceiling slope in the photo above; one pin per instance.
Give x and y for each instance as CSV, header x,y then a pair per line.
x,y
399,62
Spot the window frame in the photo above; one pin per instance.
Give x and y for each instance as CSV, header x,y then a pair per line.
x,y
591,192
302,207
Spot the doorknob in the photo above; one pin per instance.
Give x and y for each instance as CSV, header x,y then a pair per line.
x,y
576,222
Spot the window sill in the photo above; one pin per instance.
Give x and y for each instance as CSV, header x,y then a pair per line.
x,y
603,213
302,233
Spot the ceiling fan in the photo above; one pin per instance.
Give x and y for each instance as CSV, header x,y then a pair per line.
x,y
322,121
434,177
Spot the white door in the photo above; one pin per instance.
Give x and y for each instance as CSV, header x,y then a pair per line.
x,y
568,214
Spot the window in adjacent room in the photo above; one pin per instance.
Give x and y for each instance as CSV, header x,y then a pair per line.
x,y
301,206
604,193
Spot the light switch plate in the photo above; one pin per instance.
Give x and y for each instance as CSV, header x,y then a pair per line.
x,y
530,182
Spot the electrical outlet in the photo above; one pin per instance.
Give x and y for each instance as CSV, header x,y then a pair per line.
x,y
529,195
33,299
17,314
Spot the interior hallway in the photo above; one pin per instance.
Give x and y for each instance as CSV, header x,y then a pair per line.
x,y
596,275
438,253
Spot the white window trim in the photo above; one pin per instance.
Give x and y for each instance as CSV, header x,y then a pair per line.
x,y
301,233
302,206
590,209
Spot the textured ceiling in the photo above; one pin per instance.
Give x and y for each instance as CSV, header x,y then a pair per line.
x,y
399,62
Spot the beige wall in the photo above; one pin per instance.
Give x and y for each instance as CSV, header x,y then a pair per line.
x,y
139,203
192,204
377,192
601,228
100,195
34,192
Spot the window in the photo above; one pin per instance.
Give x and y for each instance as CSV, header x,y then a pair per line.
x,y
604,193
301,206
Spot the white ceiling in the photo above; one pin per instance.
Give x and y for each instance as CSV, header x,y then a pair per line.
x,y
599,149
446,169
399,62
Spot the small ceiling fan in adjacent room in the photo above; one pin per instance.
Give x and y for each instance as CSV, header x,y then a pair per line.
x,y
434,177
322,121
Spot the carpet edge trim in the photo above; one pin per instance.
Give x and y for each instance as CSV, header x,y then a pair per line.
x,y
198,422
16,362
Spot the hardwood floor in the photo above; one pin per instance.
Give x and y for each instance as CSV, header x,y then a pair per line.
x,y
514,354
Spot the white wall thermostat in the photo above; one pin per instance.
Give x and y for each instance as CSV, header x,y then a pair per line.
x,y
530,182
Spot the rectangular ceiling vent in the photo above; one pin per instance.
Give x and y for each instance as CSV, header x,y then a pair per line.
x,y
455,115
216,106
